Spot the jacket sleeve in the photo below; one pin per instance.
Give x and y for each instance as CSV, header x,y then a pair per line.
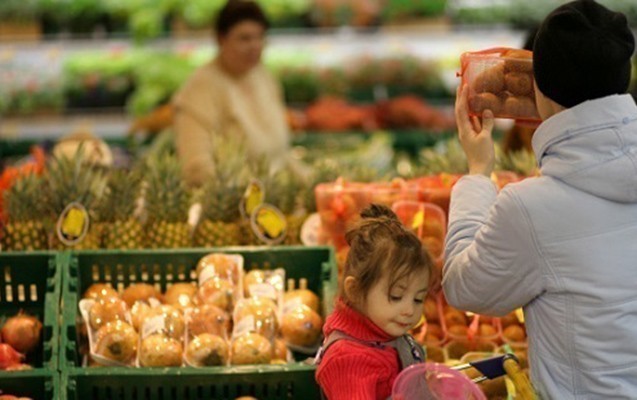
x,y
350,377
492,263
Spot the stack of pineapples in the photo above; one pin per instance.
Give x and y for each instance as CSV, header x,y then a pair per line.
x,y
72,179
120,227
167,203
220,221
25,229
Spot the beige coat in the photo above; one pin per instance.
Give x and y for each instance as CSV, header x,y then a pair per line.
x,y
213,103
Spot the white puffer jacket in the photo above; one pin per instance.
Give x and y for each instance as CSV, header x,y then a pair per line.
x,y
563,246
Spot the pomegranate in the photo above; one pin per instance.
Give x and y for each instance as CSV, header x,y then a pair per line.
x,y
18,367
11,397
9,357
22,332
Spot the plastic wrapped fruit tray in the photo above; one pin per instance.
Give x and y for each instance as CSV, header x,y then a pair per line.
x,y
161,268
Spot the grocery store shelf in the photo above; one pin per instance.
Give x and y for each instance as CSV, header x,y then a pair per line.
x,y
325,46
106,125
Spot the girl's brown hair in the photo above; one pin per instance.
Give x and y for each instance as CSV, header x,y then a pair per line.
x,y
380,244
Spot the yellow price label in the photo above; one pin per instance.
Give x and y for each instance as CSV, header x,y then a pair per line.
x,y
271,223
253,197
73,223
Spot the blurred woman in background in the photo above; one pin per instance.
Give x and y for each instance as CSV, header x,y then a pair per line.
x,y
233,95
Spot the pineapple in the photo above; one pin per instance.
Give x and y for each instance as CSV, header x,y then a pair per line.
x,y
220,222
121,230
167,202
284,190
447,157
25,229
72,179
521,162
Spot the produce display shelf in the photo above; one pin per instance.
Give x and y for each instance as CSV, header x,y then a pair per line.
x,y
31,282
162,267
36,384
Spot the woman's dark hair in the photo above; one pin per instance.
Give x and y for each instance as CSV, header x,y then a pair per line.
x,y
237,11
380,245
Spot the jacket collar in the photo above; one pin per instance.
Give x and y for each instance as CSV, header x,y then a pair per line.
x,y
351,322
598,113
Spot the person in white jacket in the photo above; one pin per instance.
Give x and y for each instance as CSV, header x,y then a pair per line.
x,y
564,245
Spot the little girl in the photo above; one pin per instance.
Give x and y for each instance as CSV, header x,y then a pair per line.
x,y
381,296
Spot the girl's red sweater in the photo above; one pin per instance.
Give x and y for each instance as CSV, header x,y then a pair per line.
x,y
355,371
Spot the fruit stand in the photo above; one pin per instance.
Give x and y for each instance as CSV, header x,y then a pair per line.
x,y
107,290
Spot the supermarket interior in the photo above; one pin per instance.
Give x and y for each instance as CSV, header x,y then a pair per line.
x,y
194,195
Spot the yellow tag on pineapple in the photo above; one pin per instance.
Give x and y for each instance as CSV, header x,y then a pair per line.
x,y
73,224
520,314
253,197
269,224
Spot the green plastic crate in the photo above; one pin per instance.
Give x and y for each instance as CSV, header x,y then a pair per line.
x,y
31,282
37,384
266,382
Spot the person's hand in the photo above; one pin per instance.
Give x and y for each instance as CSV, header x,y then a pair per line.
x,y
475,136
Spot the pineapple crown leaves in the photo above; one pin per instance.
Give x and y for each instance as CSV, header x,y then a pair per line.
x,y
323,170
119,202
222,193
24,199
522,162
284,189
166,197
72,179
446,157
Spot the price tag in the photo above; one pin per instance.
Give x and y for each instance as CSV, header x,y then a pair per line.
x,y
269,224
253,197
311,229
73,224
207,274
153,325
292,305
262,290
245,325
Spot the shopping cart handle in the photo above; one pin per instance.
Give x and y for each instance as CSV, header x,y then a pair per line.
x,y
492,367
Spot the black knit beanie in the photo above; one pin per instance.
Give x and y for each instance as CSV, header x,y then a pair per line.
x,y
582,52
